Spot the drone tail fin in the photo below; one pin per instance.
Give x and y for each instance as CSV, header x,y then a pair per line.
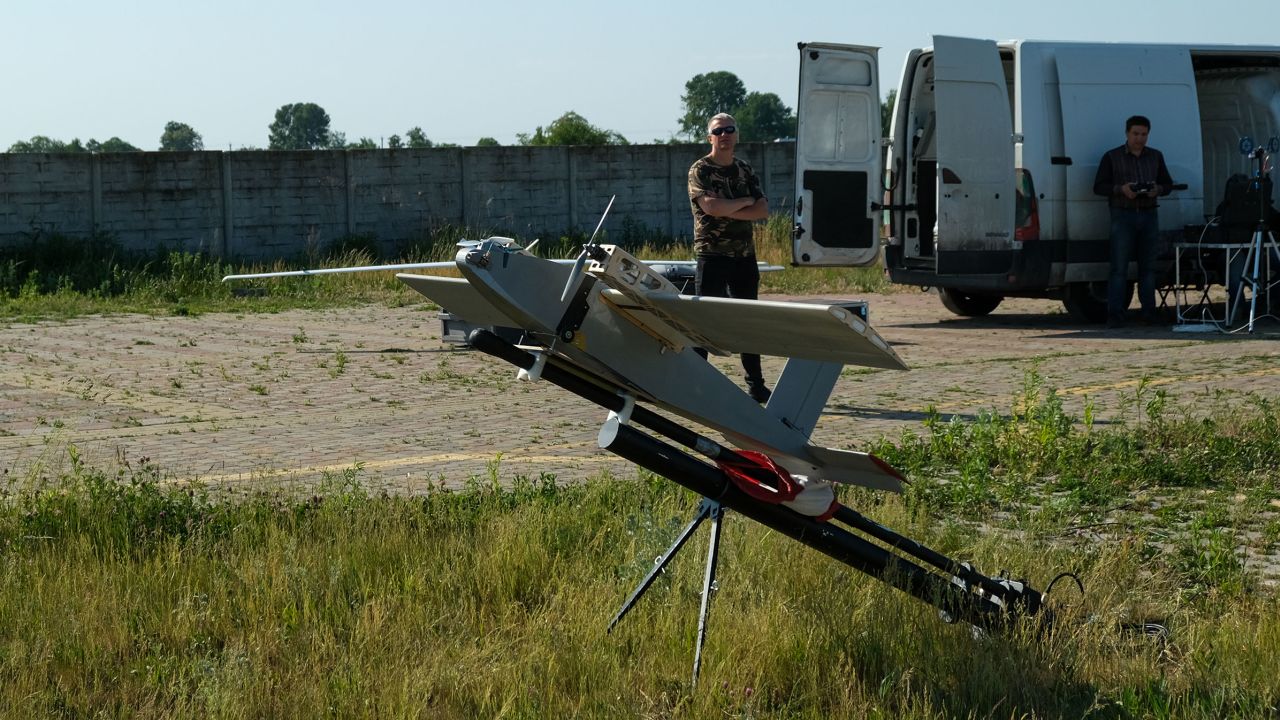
x,y
802,392
798,400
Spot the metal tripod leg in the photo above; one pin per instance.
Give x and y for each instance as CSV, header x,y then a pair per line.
x,y
708,585
1263,242
708,509
704,511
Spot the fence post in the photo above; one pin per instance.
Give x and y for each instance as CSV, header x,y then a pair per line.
x,y
95,192
351,191
463,180
228,214
573,188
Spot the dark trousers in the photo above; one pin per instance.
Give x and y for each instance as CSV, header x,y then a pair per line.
x,y
735,277
1134,234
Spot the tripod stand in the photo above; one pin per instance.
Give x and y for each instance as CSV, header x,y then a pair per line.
x,y
1263,239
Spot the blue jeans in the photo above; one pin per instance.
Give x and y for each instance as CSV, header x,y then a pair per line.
x,y
1134,234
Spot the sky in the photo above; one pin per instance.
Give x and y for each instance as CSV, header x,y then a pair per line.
x,y
468,69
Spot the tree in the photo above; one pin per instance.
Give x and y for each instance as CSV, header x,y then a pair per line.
x,y
571,129
417,138
886,111
337,140
114,144
708,94
299,126
44,144
488,142
180,137
762,117
364,143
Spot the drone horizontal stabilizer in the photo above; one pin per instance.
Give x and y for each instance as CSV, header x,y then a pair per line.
x,y
857,468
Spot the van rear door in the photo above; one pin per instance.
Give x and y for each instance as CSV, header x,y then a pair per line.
x,y
838,162
975,157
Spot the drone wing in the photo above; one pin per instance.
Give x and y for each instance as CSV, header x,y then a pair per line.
x,y
827,333
459,297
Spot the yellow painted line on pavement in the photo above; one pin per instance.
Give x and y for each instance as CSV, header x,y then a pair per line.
x,y
1125,384
393,463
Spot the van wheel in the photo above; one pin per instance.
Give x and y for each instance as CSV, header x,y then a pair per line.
x,y
1087,301
968,304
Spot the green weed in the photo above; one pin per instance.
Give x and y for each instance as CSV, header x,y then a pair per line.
x,y
126,593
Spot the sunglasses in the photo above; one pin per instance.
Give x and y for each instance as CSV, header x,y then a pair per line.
x,y
726,130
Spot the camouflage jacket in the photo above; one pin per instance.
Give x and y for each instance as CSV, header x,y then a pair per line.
x,y
718,236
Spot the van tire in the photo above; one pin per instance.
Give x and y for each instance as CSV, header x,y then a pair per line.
x,y
1087,301
968,304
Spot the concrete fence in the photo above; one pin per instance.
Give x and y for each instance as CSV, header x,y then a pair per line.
x,y
259,205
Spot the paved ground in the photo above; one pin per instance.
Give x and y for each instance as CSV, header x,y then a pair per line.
x,y
238,399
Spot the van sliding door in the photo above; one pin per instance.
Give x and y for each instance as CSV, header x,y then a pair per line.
x,y
975,156
838,163
1102,86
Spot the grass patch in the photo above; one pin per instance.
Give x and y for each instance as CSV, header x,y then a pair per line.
x,y
56,276
128,593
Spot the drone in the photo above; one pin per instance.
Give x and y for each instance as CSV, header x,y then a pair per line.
x,y
610,329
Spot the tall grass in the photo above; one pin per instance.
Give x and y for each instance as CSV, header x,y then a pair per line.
x,y
128,594
56,276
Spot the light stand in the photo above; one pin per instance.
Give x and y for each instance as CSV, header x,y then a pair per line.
x,y
1263,238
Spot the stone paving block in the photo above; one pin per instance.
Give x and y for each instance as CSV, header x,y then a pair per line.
x,y
239,400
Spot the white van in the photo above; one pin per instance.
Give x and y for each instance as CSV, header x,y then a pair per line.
x,y
987,183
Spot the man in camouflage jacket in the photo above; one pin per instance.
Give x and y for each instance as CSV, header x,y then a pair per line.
x,y
725,196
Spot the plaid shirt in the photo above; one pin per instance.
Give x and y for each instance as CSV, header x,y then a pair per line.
x,y
1120,167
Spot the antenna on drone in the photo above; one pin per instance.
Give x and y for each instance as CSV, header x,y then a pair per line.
x,y
591,249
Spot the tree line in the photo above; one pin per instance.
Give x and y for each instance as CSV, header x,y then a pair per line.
x,y
306,126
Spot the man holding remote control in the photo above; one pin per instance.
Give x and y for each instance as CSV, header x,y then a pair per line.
x,y
1131,177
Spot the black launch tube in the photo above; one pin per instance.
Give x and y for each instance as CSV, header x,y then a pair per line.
x,y
862,523
828,539
490,343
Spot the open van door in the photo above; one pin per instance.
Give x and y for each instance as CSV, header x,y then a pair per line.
x,y
975,157
838,162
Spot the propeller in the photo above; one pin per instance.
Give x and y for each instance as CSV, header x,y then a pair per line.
x,y
590,250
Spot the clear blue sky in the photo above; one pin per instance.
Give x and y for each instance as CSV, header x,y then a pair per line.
x,y
465,69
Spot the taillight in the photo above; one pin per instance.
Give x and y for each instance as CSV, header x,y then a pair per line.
x,y
1027,210
1030,228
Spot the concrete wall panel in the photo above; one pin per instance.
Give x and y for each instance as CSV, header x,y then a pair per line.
x,y
266,205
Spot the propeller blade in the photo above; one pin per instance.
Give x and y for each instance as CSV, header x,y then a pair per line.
x,y
603,215
576,273
574,276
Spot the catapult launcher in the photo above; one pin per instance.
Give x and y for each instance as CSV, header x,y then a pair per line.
x,y
613,331
621,336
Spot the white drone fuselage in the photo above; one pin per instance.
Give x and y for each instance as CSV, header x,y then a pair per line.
x,y
624,326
